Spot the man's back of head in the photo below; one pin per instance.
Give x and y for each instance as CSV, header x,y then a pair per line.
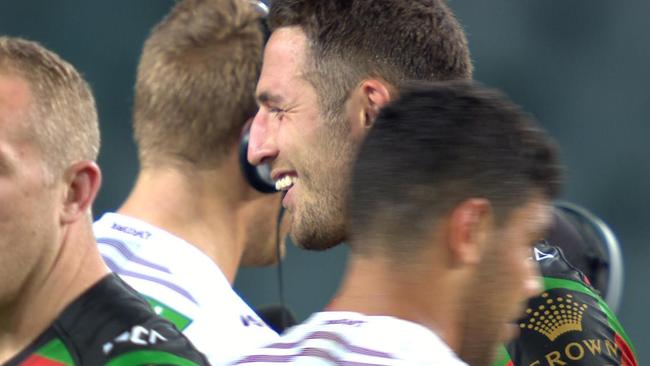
x,y
448,142
194,94
191,211
450,191
196,81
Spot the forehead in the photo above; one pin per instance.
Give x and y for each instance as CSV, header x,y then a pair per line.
x,y
15,99
284,57
14,96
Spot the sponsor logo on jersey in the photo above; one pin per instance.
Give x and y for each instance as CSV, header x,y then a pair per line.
x,y
131,231
579,350
351,322
249,320
562,327
555,317
138,335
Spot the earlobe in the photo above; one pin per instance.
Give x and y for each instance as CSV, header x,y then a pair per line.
x,y
377,93
82,180
469,223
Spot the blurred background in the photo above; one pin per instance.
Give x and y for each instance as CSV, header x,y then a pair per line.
x,y
582,67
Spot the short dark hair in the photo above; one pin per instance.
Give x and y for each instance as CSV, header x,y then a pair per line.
x,y
196,82
396,40
438,145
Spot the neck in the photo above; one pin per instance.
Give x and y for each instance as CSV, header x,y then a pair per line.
x,y
376,286
198,206
58,279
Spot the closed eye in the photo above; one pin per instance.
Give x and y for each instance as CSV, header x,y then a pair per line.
x,y
278,113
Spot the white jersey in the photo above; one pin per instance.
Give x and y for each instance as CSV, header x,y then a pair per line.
x,y
353,339
183,285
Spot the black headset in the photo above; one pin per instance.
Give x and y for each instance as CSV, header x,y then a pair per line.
x,y
258,176
595,250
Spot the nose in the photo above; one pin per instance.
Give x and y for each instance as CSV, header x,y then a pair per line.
x,y
262,146
533,282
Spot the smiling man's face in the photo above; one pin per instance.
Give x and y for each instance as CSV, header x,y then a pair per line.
x,y
310,156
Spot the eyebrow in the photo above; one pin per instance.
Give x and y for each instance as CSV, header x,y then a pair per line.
x,y
266,97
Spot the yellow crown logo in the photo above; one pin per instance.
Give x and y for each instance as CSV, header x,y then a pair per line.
x,y
555,316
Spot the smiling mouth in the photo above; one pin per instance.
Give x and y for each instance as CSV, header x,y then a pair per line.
x,y
284,183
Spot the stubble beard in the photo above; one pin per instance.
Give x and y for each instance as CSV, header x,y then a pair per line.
x,y
484,315
320,225
320,222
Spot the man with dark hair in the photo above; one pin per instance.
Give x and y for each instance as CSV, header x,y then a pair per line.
x,y
570,323
191,219
58,303
329,66
451,189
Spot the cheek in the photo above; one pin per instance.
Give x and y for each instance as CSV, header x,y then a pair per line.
x,y
507,267
304,127
18,202
524,273
28,217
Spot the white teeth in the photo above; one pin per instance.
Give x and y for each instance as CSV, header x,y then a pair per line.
x,y
284,183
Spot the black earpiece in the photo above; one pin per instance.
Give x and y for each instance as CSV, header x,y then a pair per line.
x,y
259,177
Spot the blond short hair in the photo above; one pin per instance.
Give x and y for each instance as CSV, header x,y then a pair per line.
x,y
196,82
62,112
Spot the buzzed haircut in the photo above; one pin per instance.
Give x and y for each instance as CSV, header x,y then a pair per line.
x,y
436,146
62,112
396,40
196,82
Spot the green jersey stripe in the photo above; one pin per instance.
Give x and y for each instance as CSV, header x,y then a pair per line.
x,y
179,320
502,358
57,351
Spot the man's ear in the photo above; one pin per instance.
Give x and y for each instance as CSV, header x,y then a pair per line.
x,y
82,181
468,228
366,101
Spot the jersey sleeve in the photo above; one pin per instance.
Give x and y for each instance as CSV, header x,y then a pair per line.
x,y
568,324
